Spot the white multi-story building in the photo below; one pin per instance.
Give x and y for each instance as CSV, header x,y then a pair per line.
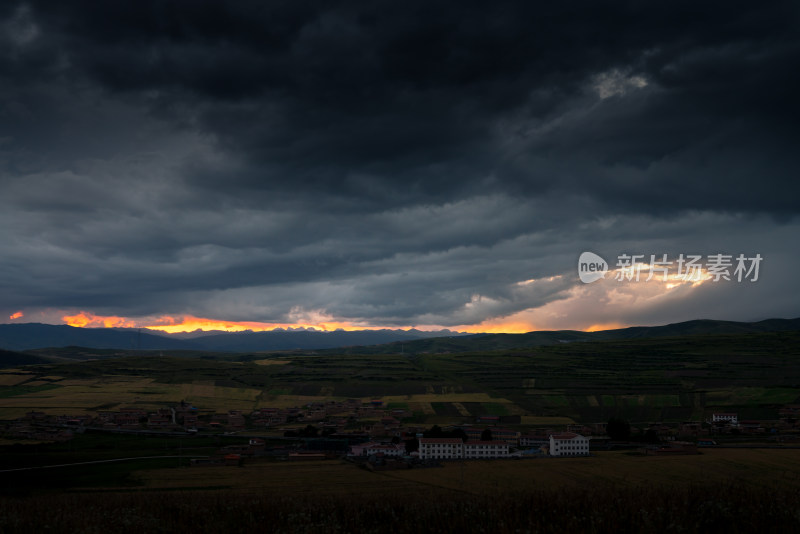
x,y
568,444
454,448
486,449
731,418
440,448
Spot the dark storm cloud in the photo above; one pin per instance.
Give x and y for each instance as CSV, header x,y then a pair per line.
x,y
320,95
391,162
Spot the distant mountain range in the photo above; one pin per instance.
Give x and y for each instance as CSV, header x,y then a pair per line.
x,y
486,342
29,337
17,337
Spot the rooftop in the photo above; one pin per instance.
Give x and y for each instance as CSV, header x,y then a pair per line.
x,y
440,440
565,435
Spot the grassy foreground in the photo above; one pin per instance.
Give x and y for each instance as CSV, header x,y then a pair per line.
x,y
730,490
728,508
758,468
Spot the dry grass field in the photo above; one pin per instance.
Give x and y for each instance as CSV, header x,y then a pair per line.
x,y
12,379
760,467
751,467
272,361
87,396
324,477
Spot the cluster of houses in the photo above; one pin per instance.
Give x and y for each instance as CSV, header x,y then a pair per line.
x,y
505,443
39,427
368,429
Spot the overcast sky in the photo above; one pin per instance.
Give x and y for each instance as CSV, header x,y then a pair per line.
x,y
395,163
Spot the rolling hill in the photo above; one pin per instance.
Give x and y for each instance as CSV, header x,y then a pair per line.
x,y
34,336
16,359
20,337
486,342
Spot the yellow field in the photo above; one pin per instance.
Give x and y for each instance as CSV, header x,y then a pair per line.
x,y
219,398
272,362
461,409
8,379
759,467
424,407
86,396
83,396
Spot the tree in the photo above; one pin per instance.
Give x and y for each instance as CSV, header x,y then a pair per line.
x,y
435,432
459,433
618,429
310,431
486,435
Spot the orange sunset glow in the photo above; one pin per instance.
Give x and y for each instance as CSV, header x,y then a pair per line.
x,y
84,319
190,323
568,312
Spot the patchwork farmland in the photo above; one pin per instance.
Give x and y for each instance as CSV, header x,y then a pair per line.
x,y
668,379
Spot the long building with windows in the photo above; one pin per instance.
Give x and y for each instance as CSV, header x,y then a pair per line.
x,y
486,449
569,444
455,449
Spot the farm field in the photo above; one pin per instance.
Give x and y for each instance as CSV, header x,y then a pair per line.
x,y
306,478
752,467
620,491
89,395
77,396
664,379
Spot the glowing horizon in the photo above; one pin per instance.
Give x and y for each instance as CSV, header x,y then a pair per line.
x,y
188,323
565,313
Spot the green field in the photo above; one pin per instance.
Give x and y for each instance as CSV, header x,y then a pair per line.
x,y
662,379
733,490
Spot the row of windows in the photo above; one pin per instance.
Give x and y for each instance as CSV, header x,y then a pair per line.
x,y
475,455
472,448
468,446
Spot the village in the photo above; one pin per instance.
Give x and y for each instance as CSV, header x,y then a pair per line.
x,y
371,434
